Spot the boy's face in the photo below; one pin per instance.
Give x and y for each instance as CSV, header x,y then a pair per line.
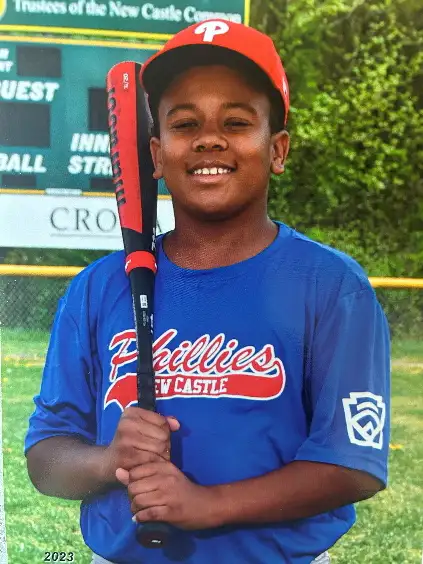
x,y
210,118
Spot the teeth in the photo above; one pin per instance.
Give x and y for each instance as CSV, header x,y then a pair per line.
x,y
213,170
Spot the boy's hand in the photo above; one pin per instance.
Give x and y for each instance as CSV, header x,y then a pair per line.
x,y
159,491
141,436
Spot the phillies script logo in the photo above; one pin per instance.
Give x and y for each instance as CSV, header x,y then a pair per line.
x,y
208,368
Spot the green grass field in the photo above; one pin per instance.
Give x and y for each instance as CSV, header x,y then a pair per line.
x,y
389,527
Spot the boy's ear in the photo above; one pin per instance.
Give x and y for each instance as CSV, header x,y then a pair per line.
x,y
280,150
156,155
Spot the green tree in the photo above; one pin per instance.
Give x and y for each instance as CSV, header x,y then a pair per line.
x,y
355,169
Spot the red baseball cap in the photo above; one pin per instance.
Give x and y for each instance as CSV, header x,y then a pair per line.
x,y
209,41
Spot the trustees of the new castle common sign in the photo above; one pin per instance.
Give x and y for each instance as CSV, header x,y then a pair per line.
x,y
157,19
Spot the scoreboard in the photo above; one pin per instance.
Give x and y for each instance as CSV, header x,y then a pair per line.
x,y
54,143
53,118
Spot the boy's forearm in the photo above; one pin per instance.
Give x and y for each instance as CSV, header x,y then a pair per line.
x,y
297,491
67,467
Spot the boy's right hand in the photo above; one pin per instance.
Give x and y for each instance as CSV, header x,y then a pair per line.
x,y
142,436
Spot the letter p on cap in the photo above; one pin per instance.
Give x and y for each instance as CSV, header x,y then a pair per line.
x,y
210,29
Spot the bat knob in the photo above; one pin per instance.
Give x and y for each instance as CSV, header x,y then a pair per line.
x,y
153,535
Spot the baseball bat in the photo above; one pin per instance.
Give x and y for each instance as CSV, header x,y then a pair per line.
x,y
136,197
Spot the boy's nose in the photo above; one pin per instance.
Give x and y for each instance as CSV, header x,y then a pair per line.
x,y
209,142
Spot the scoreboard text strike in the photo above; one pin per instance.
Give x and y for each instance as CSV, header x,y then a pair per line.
x,y
53,115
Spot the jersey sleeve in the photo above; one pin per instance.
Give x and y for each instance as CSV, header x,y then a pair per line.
x,y
347,386
66,403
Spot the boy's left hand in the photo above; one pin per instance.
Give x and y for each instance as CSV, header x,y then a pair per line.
x,y
159,491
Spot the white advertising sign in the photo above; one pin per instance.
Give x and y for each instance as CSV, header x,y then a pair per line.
x,y
67,222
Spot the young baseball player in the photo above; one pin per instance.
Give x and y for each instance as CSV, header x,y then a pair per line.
x,y
271,350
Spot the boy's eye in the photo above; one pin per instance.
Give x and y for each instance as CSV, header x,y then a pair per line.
x,y
186,124
236,123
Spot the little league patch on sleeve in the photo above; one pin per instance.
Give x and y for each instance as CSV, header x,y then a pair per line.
x,y
365,418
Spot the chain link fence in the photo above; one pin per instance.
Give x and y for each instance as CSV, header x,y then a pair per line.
x,y
28,305
29,302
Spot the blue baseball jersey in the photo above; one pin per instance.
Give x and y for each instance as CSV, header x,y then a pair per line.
x,y
281,357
